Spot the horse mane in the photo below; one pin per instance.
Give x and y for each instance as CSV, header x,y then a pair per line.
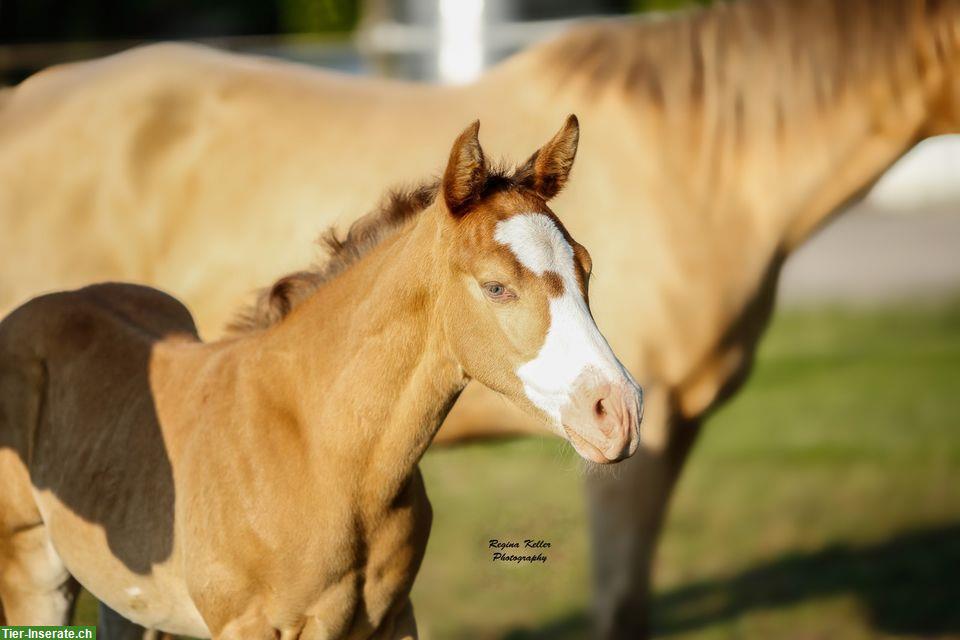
x,y
727,59
396,208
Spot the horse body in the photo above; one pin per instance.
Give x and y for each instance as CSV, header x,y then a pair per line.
x,y
732,133
106,474
267,485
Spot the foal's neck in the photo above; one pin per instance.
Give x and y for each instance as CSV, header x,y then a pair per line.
x,y
369,362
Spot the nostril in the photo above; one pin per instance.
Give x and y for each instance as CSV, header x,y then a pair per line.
x,y
598,409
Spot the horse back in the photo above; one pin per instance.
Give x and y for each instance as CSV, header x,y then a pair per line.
x,y
72,321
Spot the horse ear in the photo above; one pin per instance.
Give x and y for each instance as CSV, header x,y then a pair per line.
x,y
466,171
549,167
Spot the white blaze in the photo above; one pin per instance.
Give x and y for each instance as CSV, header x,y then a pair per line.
x,y
573,343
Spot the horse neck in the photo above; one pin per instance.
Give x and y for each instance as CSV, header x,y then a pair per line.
x,y
798,113
367,361
765,115
835,154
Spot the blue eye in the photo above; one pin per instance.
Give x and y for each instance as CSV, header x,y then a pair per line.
x,y
496,291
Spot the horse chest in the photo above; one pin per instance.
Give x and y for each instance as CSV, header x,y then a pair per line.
x,y
317,569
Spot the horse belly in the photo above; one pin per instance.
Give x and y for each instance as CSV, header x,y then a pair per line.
x,y
155,598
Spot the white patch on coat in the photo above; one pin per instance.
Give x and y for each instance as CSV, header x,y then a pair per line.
x,y
573,343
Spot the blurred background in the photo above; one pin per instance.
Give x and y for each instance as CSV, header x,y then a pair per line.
x,y
823,502
449,40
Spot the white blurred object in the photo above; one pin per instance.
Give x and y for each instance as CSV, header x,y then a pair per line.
x,y
450,41
926,178
461,40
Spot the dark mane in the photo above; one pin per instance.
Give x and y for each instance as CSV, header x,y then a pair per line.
x,y
397,207
753,61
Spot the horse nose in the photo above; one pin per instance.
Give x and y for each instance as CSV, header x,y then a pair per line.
x,y
610,414
615,416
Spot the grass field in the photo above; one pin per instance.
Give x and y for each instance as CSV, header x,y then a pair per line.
x,y
824,502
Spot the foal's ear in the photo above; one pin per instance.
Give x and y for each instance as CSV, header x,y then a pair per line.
x,y
548,168
466,171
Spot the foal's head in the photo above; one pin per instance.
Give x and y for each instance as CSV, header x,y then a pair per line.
x,y
514,300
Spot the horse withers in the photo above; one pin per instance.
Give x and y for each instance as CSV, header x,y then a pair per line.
x,y
266,485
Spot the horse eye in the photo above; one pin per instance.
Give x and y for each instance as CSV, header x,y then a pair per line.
x,y
495,289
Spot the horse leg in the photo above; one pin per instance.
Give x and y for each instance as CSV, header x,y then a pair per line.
x,y
626,507
400,625
35,587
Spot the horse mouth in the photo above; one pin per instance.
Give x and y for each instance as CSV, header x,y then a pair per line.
x,y
585,448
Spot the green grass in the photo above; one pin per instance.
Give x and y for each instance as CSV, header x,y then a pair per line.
x,y
824,502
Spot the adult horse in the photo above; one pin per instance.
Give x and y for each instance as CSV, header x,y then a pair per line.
x,y
731,132
188,484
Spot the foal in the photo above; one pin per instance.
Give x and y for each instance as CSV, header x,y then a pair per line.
x,y
266,486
